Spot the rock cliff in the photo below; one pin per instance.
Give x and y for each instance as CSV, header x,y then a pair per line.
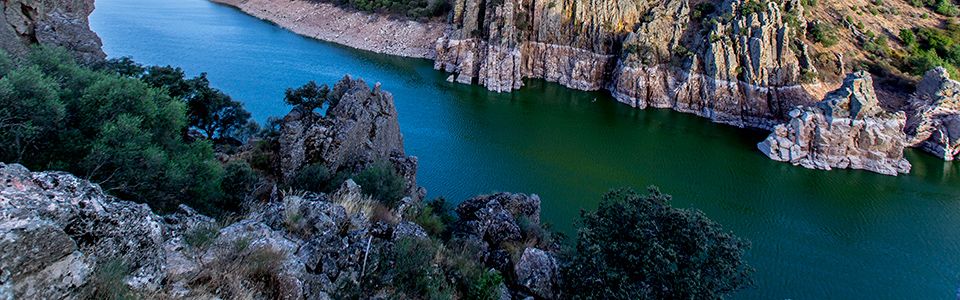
x,y
934,125
738,66
848,129
54,23
359,127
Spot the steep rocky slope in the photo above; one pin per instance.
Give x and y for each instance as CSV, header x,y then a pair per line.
x,y
935,124
55,23
848,129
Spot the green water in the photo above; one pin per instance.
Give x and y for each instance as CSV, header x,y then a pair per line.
x,y
815,234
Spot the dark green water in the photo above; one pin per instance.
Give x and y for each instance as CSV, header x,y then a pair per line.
x,y
815,234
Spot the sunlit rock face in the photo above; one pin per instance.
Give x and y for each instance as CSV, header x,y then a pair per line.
x,y
743,70
934,125
848,129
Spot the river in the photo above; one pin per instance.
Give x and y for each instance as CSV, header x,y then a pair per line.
x,y
815,234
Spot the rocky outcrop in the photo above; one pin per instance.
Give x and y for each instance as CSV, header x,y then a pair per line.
x,y
934,125
54,23
359,127
58,231
848,129
497,224
741,66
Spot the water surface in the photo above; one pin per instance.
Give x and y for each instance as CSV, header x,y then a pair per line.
x,y
815,234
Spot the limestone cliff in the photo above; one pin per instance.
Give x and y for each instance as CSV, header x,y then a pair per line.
x,y
935,124
54,23
737,66
848,129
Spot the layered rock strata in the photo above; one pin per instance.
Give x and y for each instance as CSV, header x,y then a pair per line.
x,y
359,127
740,66
934,125
54,23
848,129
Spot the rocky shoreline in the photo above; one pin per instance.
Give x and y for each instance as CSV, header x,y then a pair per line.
x,y
327,22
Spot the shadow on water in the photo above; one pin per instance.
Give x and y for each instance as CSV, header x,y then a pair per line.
x,y
815,234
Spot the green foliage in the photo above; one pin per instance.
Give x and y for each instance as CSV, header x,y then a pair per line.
x,y
108,281
876,45
435,217
946,8
115,130
823,33
752,6
703,10
415,272
314,178
639,247
381,181
418,9
309,96
211,114
239,181
928,48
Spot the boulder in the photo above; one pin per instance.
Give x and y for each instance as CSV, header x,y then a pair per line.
x,y
59,229
934,125
848,129
538,271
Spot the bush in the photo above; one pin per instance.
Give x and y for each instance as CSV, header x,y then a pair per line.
x,y
381,181
309,96
202,236
638,247
313,178
414,271
824,34
435,217
239,181
108,281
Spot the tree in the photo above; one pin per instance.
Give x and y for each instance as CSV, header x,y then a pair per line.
x,y
309,96
30,109
638,247
214,114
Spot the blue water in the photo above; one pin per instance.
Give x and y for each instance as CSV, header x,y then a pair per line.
x,y
815,234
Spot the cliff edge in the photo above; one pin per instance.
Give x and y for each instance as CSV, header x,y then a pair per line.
x,y
53,23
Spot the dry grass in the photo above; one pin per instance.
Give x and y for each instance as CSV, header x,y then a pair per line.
x,y
243,272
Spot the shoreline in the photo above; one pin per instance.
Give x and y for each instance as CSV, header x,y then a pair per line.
x,y
355,29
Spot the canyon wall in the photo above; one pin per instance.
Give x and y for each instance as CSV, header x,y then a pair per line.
x,y
740,66
63,23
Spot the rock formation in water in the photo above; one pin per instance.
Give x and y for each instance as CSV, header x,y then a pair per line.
x,y
53,23
360,127
934,125
742,67
848,129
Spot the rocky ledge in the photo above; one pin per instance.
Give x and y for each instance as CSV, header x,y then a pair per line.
x,y
55,23
935,124
848,129
327,22
63,238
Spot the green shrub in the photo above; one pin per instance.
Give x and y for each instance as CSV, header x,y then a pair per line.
x,y
202,236
435,217
381,181
823,33
239,181
639,247
313,178
6,64
415,272
309,96
946,8
108,281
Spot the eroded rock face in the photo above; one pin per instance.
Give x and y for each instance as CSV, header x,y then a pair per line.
x,y
744,70
934,125
55,23
58,229
360,127
848,129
